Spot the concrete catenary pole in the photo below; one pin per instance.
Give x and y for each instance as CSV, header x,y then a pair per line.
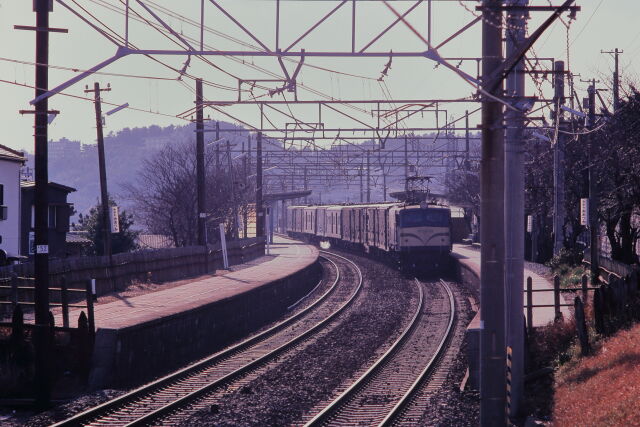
x,y
558,161
41,210
514,207
200,179
492,298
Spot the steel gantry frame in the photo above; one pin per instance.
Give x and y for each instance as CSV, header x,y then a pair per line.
x,y
189,49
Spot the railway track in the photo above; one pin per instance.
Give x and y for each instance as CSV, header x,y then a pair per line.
x,y
381,395
184,389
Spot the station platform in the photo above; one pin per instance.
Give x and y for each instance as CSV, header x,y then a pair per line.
x,y
541,315
468,260
188,321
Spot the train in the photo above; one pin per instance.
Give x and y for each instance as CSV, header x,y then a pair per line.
x,y
412,236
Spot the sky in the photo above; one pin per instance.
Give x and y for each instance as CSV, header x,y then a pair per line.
x,y
156,96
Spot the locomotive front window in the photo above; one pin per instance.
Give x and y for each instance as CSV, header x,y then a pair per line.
x,y
424,218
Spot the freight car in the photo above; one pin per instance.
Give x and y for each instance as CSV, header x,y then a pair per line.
x,y
416,237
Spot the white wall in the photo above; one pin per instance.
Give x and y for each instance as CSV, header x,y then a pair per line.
x,y
10,228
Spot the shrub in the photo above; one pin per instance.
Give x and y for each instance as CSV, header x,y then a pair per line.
x,y
566,258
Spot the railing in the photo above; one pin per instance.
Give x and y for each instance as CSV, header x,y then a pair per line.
x,y
557,304
63,292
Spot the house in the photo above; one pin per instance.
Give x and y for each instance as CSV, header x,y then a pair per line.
x,y
58,219
10,163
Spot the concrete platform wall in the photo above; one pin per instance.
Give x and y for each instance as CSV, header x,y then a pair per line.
x,y
129,357
469,275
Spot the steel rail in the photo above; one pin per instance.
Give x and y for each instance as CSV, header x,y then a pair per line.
x,y
132,397
334,407
397,410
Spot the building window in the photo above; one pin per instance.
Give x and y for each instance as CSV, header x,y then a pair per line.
x,y
52,217
1,194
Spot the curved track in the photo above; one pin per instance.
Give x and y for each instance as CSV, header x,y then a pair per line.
x,y
380,395
180,390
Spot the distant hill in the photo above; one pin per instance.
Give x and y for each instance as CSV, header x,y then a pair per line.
x,y
75,164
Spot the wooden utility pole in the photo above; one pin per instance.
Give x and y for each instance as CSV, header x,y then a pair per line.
x,y
558,161
41,296
104,193
593,189
492,314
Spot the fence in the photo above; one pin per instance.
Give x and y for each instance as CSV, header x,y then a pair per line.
x,y
159,265
608,267
615,304
557,304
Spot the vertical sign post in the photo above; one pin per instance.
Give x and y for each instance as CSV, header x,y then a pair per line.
x,y
223,244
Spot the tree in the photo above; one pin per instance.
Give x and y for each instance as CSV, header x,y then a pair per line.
x,y
165,196
123,241
618,166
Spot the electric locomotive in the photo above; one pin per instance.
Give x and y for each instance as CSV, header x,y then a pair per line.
x,y
416,236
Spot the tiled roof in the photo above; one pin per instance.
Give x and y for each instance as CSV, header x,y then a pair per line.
x,y
32,184
81,237
154,241
7,153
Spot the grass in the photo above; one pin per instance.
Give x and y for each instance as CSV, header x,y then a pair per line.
x,y
601,390
570,276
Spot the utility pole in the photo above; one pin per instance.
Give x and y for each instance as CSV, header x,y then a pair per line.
x,y
593,189
616,77
234,221
492,298
361,184
259,207
558,160
406,166
245,160
368,176
41,211
514,207
305,184
467,138
104,193
384,185
200,178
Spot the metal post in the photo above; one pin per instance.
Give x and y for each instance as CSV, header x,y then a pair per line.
x,y
492,341
244,212
234,222
361,185
200,178
558,161
305,184
41,297
467,138
529,305
368,176
514,208
593,190
406,165
259,207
